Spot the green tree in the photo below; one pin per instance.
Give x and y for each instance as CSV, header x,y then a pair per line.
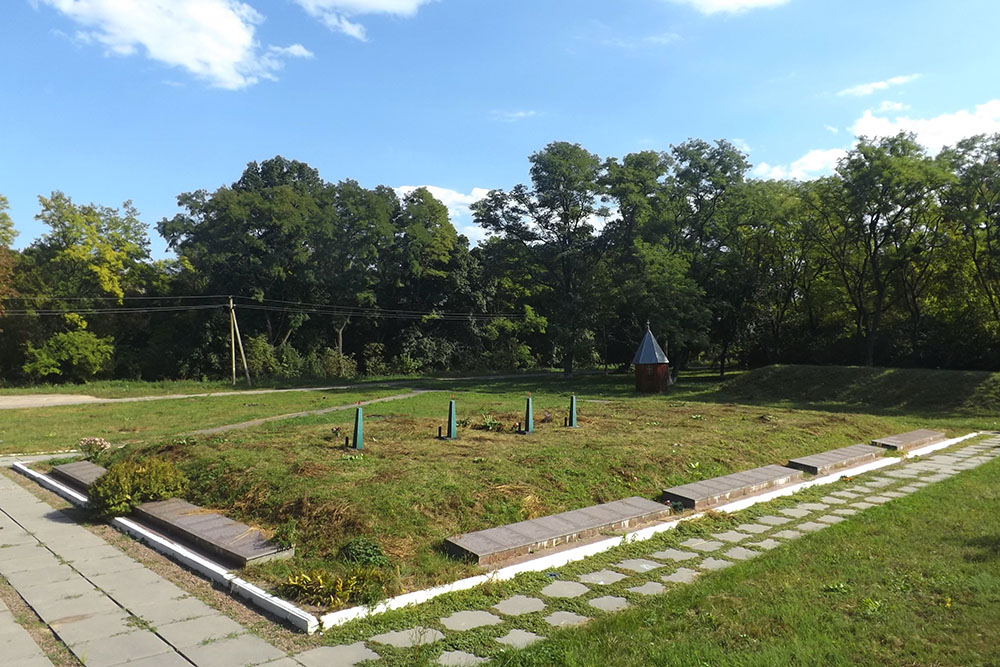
x,y
553,222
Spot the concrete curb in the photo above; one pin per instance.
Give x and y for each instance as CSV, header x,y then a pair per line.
x,y
571,555
298,618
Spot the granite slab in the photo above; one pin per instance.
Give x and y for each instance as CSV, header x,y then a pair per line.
x,y
220,535
836,459
910,440
716,491
495,545
79,474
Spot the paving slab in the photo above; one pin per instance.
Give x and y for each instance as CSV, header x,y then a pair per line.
x,y
878,500
796,512
183,634
810,526
862,505
771,520
814,507
878,483
347,655
699,544
517,639
519,604
119,648
88,627
564,589
754,528
765,544
467,620
714,564
648,588
563,619
44,577
719,490
638,565
160,613
909,440
845,494
845,511
830,519
683,575
219,535
459,659
832,500
495,545
608,603
730,536
417,636
674,555
739,553
603,577
787,534
825,463
893,494
235,652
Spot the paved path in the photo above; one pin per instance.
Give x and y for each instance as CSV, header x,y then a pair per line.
x,y
105,606
21,401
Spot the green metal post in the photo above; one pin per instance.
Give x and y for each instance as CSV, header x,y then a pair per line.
x,y
529,419
452,423
572,411
359,429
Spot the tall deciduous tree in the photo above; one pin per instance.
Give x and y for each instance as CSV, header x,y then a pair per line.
x,y
553,220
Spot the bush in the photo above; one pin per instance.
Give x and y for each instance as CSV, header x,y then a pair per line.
x,y
131,482
364,551
262,358
333,364
323,589
374,356
76,355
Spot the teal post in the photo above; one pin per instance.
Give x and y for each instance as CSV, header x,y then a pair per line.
x,y
359,429
452,424
572,411
529,419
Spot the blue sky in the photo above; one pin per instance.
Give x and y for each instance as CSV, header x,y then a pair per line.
x,y
110,100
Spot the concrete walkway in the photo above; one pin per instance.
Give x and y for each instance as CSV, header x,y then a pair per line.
x,y
105,606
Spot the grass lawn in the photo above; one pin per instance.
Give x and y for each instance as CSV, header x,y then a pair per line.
x,y
410,491
913,582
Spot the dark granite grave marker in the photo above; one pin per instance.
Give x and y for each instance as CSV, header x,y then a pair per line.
x,y
505,542
906,441
836,459
718,490
79,474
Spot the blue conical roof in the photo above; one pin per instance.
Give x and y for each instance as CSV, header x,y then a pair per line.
x,y
649,351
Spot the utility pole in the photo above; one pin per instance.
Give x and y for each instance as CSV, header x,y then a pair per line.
x,y
232,336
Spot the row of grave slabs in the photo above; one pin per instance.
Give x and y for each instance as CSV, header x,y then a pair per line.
x,y
527,546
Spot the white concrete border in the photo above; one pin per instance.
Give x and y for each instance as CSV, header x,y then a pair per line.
x,y
217,573
571,555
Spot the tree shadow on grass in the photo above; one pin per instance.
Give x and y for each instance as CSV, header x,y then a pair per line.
x,y
987,548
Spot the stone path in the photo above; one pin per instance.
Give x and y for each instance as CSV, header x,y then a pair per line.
x,y
106,607
570,600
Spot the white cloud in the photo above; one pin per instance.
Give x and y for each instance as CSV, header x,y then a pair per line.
x,y
741,144
729,6
831,129
336,14
212,39
937,132
816,162
887,106
512,116
863,89
458,204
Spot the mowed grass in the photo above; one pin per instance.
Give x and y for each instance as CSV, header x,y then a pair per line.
x,y
62,427
410,491
912,582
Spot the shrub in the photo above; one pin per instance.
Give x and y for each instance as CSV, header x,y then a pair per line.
x,y
262,358
374,356
333,364
131,482
323,589
76,355
364,551
93,448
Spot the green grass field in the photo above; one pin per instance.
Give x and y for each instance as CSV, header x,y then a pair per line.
x,y
914,582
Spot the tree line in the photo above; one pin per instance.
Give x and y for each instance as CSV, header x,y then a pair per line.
x,y
894,259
